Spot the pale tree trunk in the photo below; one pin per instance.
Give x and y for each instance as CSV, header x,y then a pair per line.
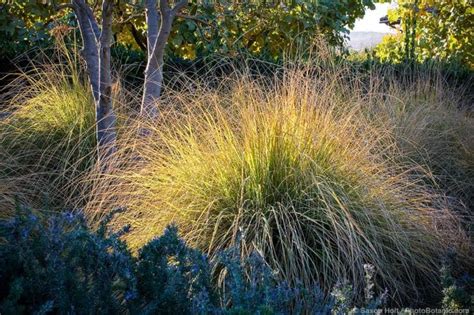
x,y
159,28
96,53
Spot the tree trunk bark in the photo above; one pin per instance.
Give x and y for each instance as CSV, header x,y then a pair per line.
x,y
105,116
89,51
153,79
156,43
96,52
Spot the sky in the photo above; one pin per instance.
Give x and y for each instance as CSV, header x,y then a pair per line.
x,y
370,22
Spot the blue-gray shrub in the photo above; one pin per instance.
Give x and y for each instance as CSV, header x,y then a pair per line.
x,y
59,265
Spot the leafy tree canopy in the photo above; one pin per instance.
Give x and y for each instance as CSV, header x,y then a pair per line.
x,y
433,29
262,28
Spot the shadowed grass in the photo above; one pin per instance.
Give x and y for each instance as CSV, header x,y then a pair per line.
x,y
433,129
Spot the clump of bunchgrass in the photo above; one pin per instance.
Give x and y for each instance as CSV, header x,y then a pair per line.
x,y
47,137
432,127
312,185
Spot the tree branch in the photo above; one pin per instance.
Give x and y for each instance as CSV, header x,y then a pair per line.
x,y
129,18
178,6
63,6
141,42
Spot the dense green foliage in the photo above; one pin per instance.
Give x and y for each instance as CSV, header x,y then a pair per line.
x,y
60,266
439,30
262,29
23,25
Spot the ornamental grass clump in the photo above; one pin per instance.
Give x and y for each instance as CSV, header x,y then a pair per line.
x,y
435,129
47,135
310,183
48,139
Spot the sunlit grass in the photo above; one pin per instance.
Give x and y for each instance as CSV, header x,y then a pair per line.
x,y
47,139
319,171
310,181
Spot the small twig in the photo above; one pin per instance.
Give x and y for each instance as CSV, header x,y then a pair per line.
x,y
194,18
129,18
178,6
64,6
